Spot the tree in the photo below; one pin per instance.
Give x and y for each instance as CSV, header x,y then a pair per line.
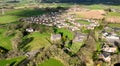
x,y
2,2
17,40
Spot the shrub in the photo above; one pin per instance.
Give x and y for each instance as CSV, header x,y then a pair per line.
x,y
9,33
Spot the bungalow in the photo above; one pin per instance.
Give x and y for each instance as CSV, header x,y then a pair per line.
x,y
29,30
55,37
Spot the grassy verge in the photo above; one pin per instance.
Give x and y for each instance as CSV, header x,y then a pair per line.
x,y
66,32
113,14
12,61
15,14
76,46
8,19
83,22
38,40
114,25
95,6
51,62
5,41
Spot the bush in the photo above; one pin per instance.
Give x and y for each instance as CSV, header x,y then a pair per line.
x,y
12,26
17,40
95,56
9,33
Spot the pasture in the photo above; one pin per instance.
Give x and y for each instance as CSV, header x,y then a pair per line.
x,y
38,40
5,41
12,61
51,62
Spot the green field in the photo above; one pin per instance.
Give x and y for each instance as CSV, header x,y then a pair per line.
x,y
12,61
76,46
117,14
95,6
51,62
83,22
39,40
114,25
16,14
5,41
66,32
100,6
8,19
13,16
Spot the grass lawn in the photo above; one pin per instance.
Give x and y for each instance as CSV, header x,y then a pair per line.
x,y
66,32
114,25
5,41
8,19
16,14
101,6
39,40
95,6
83,22
76,46
25,12
14,61
114,6
69,23
51,62
113,14
54,5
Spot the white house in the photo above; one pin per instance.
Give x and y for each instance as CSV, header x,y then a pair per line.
x,y
105,34
29,30
112,37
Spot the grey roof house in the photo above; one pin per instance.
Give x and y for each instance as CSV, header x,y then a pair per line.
x,y
79,37
55,37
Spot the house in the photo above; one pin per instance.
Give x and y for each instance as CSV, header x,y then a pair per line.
x,y
105,57
55,37
90,27
111,36
79,37
106,48
29,30
105,34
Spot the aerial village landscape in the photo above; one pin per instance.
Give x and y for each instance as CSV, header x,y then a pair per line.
x,y
59,33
